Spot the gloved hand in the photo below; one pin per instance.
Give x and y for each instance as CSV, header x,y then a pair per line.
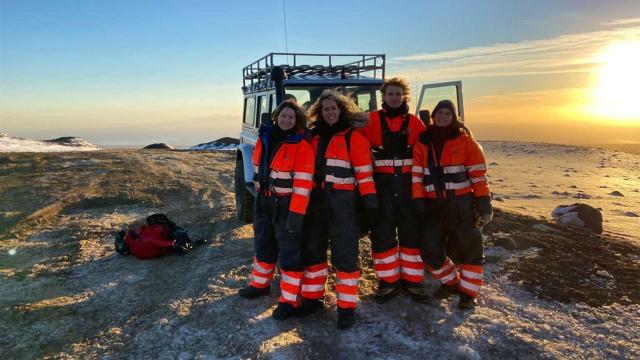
x,y
294,223
484,210
420,206
370,203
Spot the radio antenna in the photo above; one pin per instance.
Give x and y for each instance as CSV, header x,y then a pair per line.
x,y
284,20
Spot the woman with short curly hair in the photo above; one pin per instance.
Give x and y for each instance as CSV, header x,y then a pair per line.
x,y
395,236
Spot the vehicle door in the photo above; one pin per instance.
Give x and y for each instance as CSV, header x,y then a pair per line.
x,y
431,94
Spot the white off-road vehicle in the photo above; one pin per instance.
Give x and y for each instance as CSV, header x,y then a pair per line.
x,y
269,80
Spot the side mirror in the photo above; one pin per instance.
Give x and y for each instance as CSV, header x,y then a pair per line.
x,y
265,119
425,116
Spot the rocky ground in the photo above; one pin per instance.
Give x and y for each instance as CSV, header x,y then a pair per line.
x,y
551,292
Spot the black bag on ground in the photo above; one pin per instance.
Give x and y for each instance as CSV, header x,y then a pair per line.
x,y
183,242
161,219
184,245
121,246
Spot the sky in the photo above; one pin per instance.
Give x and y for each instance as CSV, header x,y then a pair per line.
x,y
137,72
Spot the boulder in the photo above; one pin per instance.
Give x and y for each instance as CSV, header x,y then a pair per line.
x,y
579,215
159,146
505,242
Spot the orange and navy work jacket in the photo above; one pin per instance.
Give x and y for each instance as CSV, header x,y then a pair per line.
x,y
290,173
347,165
393,154
462,168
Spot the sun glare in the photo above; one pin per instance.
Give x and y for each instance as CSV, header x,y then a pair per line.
x,y
617,96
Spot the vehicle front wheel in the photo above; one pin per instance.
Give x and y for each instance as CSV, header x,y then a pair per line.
x,y
244,199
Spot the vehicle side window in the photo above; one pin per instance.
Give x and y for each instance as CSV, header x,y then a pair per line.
x,y
302,95
367,101
263,106
249,110
272,101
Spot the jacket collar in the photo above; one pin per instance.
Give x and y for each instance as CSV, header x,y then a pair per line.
x,y
391,112
427,136
265,131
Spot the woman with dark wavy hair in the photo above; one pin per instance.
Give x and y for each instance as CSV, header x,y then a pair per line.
x,y
283,173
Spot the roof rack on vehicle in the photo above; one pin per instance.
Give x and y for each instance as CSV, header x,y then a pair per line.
x,y
257,75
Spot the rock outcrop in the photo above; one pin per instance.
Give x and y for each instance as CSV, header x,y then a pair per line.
x,y
579,215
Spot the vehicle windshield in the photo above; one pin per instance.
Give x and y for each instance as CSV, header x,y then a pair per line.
x,y
366,97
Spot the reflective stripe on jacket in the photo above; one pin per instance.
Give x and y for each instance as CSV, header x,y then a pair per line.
x,y
347,166
290,173
374,132
462,164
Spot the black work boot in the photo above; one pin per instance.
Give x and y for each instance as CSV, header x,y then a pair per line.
x,y
386,291
417,291
283,311
252,292
467,302
445,291
310,306
346,318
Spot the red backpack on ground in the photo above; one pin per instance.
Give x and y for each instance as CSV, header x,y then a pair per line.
x,y
158,237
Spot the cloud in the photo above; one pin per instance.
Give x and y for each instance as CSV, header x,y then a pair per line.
x,y
622,22
572,53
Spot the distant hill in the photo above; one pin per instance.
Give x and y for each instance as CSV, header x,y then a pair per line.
x,y
225,143
68,143
158,146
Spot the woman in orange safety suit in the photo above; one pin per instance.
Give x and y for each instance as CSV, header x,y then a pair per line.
x,y
283,172
342,162
450,191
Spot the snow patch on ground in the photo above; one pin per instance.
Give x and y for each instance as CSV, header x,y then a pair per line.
x,y
215,146
223,144
18,144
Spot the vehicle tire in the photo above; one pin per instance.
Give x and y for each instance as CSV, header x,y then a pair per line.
x,y
244,199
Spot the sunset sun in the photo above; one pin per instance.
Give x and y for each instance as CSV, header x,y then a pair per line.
x,y
616,95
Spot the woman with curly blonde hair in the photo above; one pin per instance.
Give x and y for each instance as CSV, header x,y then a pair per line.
x,y
342,161
348,109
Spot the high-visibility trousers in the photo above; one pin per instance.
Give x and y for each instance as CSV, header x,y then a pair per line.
x,y
395,237
272,241
331,223
448,222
